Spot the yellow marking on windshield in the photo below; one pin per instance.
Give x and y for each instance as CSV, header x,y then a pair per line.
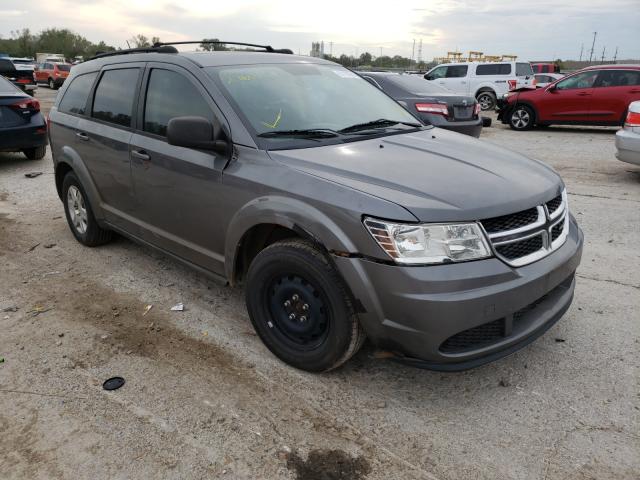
x,y
276,121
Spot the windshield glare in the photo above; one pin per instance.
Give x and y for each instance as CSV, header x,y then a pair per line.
x,y
276,97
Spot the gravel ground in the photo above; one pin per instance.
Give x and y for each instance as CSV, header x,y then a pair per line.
x,y
205,399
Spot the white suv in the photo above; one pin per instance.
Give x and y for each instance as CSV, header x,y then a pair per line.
x,y
487,81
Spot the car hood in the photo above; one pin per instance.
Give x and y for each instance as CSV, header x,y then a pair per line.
x,y
435,174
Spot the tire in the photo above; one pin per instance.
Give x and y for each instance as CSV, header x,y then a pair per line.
x,y
36,153
300,307
487,100
52,85
83,225
521,118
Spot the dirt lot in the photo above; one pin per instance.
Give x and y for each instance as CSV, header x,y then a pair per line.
x,y
205,399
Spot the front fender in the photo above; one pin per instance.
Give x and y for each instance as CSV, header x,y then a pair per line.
x,y
289,213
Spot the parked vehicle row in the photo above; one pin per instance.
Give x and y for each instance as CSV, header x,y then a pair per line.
x,y
343,223
598,95
485,81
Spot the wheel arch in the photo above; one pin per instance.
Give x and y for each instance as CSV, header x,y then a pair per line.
x,y
527,104
485,89
266,220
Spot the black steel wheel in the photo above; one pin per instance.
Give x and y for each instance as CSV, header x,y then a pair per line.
x,y
300,308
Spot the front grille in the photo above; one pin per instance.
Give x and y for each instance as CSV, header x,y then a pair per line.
x,y
514,250
554,204
529,235
556,231
475,337
511,222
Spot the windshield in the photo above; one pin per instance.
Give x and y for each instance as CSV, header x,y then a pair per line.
x,y
416,85
286,97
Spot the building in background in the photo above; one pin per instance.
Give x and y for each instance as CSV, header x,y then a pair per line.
x,y
317,49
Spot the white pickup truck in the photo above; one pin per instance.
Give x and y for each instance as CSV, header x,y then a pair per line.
x,y
487,81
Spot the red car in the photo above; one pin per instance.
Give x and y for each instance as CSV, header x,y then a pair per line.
x,y
598,95
53,74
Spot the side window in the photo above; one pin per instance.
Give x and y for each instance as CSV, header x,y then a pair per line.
x,y
113,101
439,72
618,78
75,98
170,95
524,69
580,80
494,69
6,66
457,71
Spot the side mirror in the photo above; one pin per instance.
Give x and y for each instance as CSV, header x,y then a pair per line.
x,y
428,77
195,132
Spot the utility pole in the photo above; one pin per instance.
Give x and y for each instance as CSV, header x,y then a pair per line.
x,y
595,34
413,52
420,52
602,59
615,55
581,50
380,51
331,49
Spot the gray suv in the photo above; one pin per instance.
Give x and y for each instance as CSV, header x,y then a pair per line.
x,y
343,216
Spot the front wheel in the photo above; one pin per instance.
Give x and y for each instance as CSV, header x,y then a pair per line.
x,y
487,100
521,118
300,308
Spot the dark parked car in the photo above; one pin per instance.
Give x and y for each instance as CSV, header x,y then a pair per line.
x,y
22,127
342,215
22,78
598,95
434,105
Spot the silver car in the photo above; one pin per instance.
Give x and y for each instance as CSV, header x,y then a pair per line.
x,y
628,138
544,79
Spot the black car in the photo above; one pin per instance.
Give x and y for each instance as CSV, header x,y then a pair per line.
x,y
23,79
433,104
22,126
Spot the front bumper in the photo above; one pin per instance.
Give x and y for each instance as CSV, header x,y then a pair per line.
x,y
503,108
628,146
415,312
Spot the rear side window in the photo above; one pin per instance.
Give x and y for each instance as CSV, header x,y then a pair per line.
x,y
523,69
170,95
113,101
618,78
75,98
494,69
457,71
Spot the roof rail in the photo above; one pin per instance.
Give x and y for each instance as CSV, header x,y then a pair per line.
x,y
268,48
126,51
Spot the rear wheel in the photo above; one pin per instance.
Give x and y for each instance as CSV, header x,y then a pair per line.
x,y
36,153
300,308
521,118
487,100
80,215
52,84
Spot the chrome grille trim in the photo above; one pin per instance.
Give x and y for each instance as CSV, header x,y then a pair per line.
x,y
543,227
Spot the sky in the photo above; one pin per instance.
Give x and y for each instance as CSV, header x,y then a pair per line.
x,y
533,30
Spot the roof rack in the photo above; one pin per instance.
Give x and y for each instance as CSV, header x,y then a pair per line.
x,y
268,48
126,51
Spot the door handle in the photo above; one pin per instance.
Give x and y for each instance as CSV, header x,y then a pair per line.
x,y
141,154
82,136
583,94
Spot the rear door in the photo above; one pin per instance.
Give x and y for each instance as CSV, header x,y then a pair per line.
x,y
613,91
103,139
178,190
569,101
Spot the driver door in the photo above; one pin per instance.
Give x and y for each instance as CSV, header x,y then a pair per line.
x,y
178,190
569,101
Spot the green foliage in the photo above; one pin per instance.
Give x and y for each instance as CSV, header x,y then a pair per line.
x,y
210,47
52,40
367,60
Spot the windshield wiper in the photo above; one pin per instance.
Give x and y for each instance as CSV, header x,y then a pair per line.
x,y
308,133
380,123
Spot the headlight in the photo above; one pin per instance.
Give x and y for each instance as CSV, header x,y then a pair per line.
x,y
421,244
